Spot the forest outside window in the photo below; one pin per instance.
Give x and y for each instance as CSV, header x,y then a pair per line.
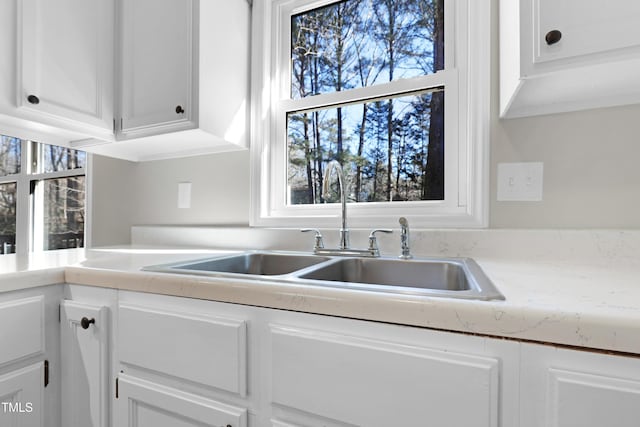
x,y
390,148
42,196
388,89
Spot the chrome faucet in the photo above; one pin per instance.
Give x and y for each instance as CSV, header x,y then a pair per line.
x,y
404,239
344,231
344,249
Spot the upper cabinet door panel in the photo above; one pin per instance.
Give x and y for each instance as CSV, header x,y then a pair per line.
x,y
585,26
157,62
65,65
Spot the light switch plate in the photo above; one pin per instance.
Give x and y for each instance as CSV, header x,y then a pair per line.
x,y
520,182
184,195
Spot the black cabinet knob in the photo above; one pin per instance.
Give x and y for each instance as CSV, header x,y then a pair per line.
x,y
86,322
553,37
179,109
33,99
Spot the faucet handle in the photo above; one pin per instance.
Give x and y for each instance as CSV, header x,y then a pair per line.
x,y
318,242
373,241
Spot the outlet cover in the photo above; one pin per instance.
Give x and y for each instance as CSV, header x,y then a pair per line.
x,y
520,182
184,195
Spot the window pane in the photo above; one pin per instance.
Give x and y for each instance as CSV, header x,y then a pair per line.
x,y
10,151
8,218
390,149
358,43
52,158
64,212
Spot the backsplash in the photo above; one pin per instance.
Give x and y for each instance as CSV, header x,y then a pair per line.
x,y
597,247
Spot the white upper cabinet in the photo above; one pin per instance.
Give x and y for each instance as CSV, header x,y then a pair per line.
x,y
558,56
134,79
184,73
65,63
157,73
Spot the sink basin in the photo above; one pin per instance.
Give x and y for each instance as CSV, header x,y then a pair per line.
x,y
254,263
461,278
450,277
427,275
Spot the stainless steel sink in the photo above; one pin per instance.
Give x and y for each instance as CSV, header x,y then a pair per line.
x,y
443,277
459,277
448,276
249,263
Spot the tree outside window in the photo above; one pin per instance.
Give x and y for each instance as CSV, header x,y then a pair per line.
x,y
391,148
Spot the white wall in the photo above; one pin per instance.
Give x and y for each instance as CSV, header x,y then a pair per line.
x,y
112,200
126,193
591,169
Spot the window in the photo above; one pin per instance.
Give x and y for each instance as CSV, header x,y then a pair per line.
x,y
42,196
396,90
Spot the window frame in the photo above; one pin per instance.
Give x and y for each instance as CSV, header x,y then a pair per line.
x,y
466,78
27,225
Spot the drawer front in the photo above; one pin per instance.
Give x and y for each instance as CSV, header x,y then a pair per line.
x,y
21,329
200,348
146,404
356,381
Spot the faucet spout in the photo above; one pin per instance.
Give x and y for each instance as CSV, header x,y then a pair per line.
x,y
344,231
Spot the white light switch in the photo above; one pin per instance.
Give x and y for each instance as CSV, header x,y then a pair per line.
x,y
520,182
184,195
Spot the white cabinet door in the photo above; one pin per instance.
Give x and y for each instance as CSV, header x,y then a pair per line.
x,y
568,388
143,403
585,27
22,328
85,387
65,66
22,397
158,66
322,378
569,55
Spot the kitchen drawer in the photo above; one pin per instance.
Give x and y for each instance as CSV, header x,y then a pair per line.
x,y
196,347
22,329
147,404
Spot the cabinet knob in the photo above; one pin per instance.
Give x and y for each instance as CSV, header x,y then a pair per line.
x,y
553,37
86,322
33,99
179,109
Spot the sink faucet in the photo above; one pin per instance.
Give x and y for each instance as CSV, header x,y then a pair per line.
x,y
404,239
344,249
344,231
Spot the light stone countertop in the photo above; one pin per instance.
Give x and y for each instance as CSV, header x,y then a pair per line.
x,y
591,302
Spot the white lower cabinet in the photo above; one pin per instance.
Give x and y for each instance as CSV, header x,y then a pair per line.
x,y
132,359
339,372
22,397
569,388
84,335
29,358
87,369
182,363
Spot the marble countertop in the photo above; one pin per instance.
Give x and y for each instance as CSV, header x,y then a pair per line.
x,y
564,301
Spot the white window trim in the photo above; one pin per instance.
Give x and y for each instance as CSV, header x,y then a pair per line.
x,y
467,140
29,222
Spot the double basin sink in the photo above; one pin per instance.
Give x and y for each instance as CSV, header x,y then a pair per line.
x,y
440,277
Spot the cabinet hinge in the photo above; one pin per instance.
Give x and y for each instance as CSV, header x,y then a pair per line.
x,y
116,387
114,125
59,313
46,373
